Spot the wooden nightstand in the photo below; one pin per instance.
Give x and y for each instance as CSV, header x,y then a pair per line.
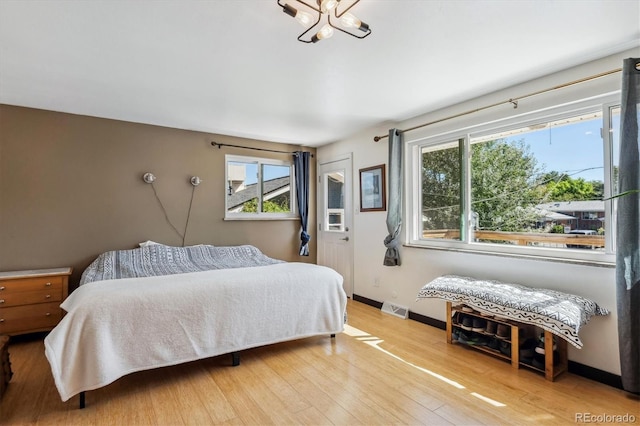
x,y
30,300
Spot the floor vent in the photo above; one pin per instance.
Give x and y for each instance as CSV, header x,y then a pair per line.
x,y
396,310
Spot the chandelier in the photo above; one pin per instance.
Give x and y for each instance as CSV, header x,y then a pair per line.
x,y
328,12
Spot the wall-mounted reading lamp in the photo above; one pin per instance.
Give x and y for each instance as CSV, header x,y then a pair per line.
x,y
148,177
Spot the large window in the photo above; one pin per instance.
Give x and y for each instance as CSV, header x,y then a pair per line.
x,y
535,186
258,188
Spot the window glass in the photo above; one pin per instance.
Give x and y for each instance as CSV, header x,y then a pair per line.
x,y
276,188
534,188
334,215
531,184
441,191
258,188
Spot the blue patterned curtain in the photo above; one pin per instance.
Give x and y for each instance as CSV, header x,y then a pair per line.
x,y
301,169
628,229
394,213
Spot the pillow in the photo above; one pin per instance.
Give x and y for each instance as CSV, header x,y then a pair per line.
x,y
149,243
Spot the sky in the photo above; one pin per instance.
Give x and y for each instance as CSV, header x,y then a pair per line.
x,y
571,148
270,172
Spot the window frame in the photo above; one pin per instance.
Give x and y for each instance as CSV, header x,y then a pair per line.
x,y
413,185
259,215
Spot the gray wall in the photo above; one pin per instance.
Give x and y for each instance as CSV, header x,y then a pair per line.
x,y
71,188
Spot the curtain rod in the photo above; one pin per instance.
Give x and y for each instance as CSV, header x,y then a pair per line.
x,y
513,101
220,145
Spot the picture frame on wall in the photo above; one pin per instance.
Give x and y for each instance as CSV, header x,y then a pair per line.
x,y
373,189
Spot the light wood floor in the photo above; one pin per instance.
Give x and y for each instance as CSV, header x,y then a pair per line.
x,y
382,370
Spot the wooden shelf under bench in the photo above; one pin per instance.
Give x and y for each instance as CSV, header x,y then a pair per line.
x,y
551,370
30,300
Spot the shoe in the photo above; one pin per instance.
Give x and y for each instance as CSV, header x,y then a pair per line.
x,y
540,347
503,331
467,322
494,344
527,349
479,340
455,319
479,324
466,308
454,334
491,328
505,348
538,361
463,337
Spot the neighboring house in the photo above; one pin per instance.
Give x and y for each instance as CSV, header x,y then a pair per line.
x,y
575,214
276,190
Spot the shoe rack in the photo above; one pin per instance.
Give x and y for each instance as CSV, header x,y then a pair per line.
x,y
551,369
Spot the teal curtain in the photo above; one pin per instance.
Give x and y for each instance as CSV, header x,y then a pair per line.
x,y
394,211
628,229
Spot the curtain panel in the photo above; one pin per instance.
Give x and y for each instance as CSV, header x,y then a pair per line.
x,y
628,229
301,170
394,212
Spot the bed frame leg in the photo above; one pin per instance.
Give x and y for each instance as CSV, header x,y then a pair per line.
x,y
235,359
82,401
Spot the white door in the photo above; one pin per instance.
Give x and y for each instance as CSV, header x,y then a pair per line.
x,y
335,217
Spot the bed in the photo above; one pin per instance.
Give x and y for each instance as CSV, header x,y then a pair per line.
x,y
158,305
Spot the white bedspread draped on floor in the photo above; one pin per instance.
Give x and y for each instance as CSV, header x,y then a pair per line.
x,y
117,327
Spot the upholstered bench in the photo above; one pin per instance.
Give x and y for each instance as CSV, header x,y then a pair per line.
x,y
5,364
559,313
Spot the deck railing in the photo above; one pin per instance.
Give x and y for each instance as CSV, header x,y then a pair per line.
x,y
524,238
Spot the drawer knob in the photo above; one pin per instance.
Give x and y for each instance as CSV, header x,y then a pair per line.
x,y
1,300
48,284
2,288
48,314
48,296
1,319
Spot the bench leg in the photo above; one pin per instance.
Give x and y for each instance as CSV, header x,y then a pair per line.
x,y
82,401
333,336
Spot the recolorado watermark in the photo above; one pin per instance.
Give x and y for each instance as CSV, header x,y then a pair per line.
x,y
605,418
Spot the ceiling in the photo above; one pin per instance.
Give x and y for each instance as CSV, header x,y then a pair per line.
x,y
234,67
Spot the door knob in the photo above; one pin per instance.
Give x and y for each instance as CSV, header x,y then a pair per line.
x,y
345,239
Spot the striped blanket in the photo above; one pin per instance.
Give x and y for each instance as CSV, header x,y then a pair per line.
x,y
159,259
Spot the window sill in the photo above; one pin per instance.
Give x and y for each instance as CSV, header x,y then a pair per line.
x,y
582,262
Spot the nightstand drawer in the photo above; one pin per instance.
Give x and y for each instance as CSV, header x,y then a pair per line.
x,y
29,297
30,284
30,317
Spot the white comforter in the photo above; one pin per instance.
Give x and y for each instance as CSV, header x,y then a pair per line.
x,y
116,327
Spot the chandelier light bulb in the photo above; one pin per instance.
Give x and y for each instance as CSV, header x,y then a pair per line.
x,y
328,5
325,32
304,18
349,20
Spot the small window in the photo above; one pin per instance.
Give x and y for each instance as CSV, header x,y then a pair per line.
x,y
259,188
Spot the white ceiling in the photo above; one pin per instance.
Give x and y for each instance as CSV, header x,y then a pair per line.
x,y
234,67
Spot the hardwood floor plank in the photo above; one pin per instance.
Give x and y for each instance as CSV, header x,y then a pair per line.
x,y
382,370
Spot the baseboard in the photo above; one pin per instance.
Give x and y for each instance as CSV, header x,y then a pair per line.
x,y
370,302
595,374
576,368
